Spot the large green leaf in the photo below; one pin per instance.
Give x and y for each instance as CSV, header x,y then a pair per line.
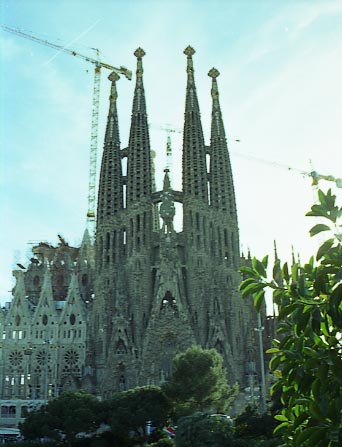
x,y
259,299
246,283
252,288
280,427
305,435
248,271
317,211
259,267
324,248
285,272
280,417
318,229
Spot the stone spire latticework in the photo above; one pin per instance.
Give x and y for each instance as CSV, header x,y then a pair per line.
x,y
110,197
222,195
139,178
194,153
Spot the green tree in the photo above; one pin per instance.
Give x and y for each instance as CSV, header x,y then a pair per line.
x,y
307,355
199,382
70,414
250,423
38,425
203,430
132,409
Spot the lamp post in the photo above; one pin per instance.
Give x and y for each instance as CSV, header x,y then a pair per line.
x,y
259,329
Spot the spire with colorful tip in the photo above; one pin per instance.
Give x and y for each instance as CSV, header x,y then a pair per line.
x,y
195,182
139,179
110,197
222,195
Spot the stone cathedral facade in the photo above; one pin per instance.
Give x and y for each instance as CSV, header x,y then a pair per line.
x,y
111,315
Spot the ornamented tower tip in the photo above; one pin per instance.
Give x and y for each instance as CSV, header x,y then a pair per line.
x,y
214,73
112,130
189,52
139,53
113,77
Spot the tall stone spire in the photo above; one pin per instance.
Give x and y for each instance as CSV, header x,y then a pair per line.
x,y
194,153
110,198
222,195
139,182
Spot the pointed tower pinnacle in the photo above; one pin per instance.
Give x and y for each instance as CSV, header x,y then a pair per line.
x,y
139,53
139,178
217,121
189,52
110,197
222,195
112,131
167,208
194,152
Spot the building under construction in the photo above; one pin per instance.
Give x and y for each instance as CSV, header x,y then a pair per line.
x,y
112,315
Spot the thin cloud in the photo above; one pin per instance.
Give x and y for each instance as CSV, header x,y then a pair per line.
x,y
69,44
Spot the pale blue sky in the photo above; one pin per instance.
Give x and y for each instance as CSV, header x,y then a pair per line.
x,y
280,92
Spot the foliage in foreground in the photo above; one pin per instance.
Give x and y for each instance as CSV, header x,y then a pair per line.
x,y
199,382
130,410
307,354
203,430
253,424
71,413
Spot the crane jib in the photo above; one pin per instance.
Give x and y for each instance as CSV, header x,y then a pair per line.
x,y
95,111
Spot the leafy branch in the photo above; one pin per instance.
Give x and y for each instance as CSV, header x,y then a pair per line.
x,y
306,356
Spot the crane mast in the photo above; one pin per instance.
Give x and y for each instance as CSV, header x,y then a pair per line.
x,y
168,128
93,151
95,111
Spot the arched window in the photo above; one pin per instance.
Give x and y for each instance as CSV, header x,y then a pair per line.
x,y
121,347
84,279
219,347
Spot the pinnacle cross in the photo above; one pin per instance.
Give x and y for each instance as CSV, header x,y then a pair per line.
x,y
113,77
189,51
139,53
214,73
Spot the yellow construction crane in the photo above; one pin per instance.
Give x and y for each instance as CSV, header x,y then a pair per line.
x,y
314,175
95,110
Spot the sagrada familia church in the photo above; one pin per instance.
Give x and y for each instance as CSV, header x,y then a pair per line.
x,y
111,315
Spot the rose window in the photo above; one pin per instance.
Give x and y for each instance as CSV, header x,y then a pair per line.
x,y
71,357
16,358
42,357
